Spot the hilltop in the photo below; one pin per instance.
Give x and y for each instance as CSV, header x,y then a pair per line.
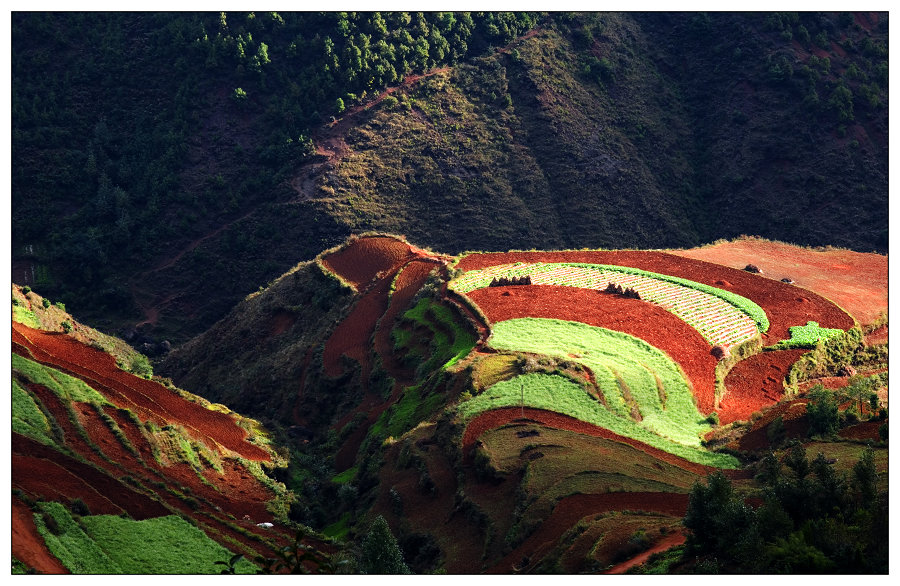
x,y
469,415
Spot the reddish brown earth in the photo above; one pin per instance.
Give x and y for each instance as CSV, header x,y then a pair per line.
x,y
646,321
372,263
148,399
498,417
793,416
856,281
756,383
362,259
785,305
573,508
111,479
27,544
867,430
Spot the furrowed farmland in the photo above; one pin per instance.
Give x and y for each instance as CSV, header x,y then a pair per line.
x,y
502,412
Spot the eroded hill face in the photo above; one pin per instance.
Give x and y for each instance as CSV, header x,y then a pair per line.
x,y
405,395
102,441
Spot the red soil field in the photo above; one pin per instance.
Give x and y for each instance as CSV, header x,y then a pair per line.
x,y
498,417
646,321
856,281
362,259
148,399
573,508
41,470
793,416
867,430
354,338
44,473
756,383
785,305
27,545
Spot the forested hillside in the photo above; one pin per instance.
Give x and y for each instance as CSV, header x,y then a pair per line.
x,y
165,165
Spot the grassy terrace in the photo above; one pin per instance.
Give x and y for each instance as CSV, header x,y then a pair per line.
x,y
559,394
720,316
107,544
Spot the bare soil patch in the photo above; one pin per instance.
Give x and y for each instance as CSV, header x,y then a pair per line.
x,y
755,384
856,281
363,259
641,319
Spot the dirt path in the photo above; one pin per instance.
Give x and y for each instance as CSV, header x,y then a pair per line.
x,y
662,545
329,140
151,306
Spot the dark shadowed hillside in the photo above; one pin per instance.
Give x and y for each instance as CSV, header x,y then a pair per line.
x,y
164,199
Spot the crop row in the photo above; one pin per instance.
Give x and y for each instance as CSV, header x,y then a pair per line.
x,y
720,316
561,395
630,373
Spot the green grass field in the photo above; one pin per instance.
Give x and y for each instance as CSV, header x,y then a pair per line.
x,y
451,340
108,544
27,418
627,369
559,394
65,386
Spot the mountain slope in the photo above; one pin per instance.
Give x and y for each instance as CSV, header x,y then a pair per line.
x,y
590,130
101,441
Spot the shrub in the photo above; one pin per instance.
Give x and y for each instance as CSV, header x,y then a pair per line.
x,y
45,302
79,507
26,290
67,327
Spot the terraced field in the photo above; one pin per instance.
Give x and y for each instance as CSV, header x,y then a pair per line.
x,y
722,318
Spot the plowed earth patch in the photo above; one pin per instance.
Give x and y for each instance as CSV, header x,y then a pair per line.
x,y
641,319
362,259
148,399
785,305
573,508
756,383
856,281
